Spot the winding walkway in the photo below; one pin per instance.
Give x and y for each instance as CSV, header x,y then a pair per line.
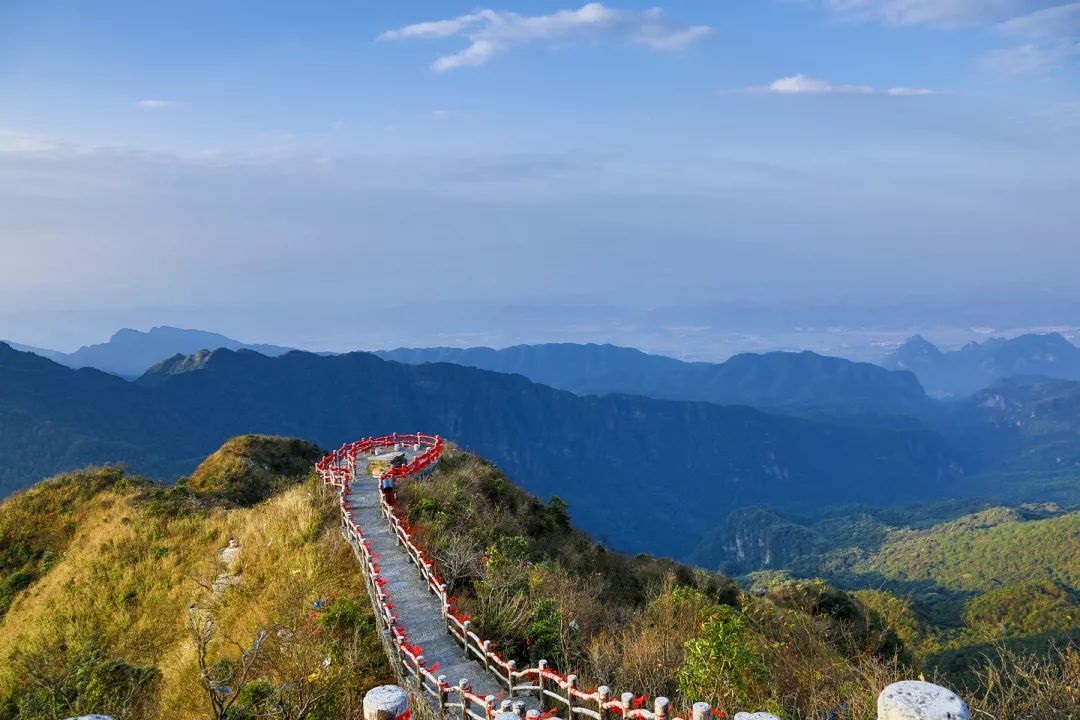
x,y
419,612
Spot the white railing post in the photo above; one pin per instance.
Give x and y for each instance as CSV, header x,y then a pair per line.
x,y
660,707
603,695
541,667
571,683
465,630
444,692
463,687
701,711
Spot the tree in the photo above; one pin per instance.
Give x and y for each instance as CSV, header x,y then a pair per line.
x,y
223,679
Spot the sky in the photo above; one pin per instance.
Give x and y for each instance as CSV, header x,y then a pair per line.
x,y
693,177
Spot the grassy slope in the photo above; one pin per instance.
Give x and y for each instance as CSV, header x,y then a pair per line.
x,y
126,567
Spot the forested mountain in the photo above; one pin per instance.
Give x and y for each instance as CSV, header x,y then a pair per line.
x,y
630,467
978,365
790,382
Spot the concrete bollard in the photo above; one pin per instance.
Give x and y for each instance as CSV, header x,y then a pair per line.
x,y
755,716
385,702
701,710
917,700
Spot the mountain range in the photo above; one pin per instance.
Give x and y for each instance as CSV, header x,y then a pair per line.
x,y
630,467
778,381
978,365
129,353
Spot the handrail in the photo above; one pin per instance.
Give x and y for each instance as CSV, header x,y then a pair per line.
x,y
338,469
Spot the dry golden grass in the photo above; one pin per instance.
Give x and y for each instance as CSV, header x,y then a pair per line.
x,y
130,574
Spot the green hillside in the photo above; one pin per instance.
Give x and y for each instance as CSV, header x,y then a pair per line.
x,y
113,584
984,551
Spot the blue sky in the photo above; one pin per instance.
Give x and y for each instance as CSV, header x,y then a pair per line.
x,y
270,169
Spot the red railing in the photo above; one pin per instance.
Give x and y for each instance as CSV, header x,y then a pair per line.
x,y
338,469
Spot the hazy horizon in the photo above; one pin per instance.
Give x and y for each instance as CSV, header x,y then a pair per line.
x,y
695,179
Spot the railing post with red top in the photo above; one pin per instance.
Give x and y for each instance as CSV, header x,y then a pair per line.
x,y
603,695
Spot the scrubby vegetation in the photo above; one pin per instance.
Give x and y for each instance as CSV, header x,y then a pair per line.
x,y
119,600
958,580
541,589
131,610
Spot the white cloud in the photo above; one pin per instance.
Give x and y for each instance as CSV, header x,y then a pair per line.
x,y
1031,58
941,13
13,142
805,85
159,104
491,32
1056,21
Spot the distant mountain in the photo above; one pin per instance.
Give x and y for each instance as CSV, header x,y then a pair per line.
x,y
644,474
43,352
1020,438
978,365
130,353
780,381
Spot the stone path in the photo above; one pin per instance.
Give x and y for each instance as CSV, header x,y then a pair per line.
x,y
419,611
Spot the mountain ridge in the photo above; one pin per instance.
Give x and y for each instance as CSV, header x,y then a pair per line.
x,y
776,381
655,456
975,366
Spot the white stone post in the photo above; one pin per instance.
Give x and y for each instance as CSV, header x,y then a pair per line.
x,y
542,666
463,687
701,711
444,694
603,696
571,684
660,707
917,700
385,702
